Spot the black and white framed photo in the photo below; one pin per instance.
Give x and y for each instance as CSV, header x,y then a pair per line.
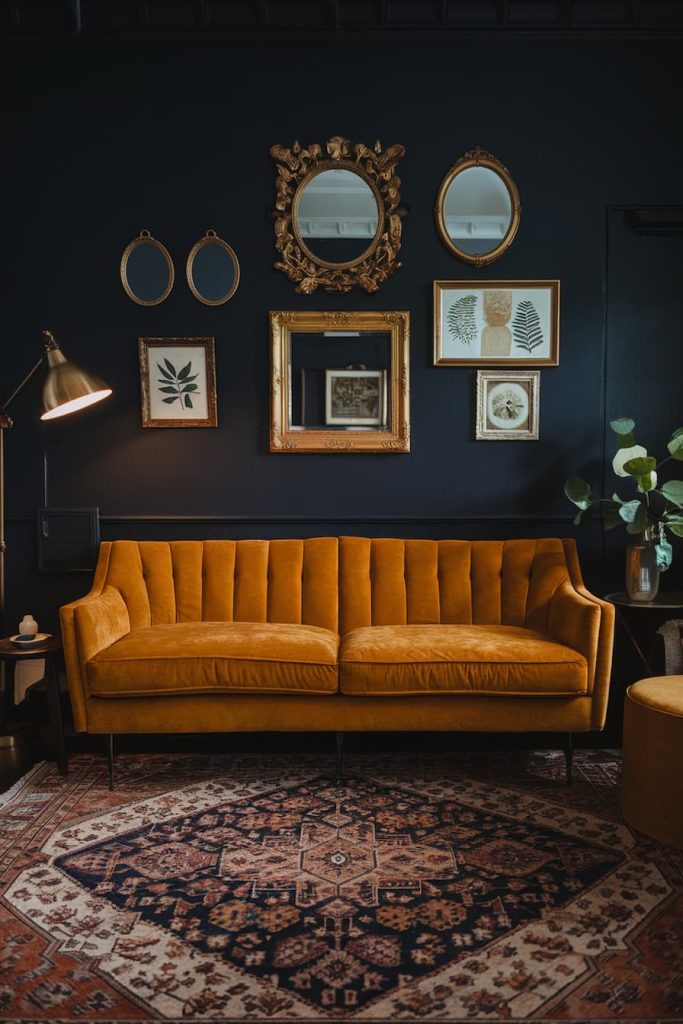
x,y
508,404
178,382
496,323
355,397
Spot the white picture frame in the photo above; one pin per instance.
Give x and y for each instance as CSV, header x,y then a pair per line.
x,y
508,405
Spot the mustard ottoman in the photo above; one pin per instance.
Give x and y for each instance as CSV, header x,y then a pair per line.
x,y
652,781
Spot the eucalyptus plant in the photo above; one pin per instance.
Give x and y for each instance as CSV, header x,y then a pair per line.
x,y
656,507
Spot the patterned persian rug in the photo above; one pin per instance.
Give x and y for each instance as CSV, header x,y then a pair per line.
x,y
239,889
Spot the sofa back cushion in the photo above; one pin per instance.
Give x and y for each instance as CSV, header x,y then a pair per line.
x,y
389,582
289,581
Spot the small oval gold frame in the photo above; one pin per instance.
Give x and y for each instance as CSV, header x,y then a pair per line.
x,y
145,238
478,157
211,238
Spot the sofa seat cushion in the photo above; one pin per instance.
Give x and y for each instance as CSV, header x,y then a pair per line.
x,y
217,657
503,660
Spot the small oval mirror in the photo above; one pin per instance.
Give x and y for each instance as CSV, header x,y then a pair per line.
x,y
147,273
213,270
336,216
477,209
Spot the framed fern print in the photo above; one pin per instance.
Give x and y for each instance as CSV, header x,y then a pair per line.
x,y
178,382
496,323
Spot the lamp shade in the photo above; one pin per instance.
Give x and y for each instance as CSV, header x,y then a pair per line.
x,y
68,387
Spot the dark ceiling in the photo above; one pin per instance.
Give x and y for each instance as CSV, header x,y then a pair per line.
x,y
72,19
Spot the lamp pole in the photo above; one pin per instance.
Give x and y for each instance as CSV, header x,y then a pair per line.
x,y
5,424
67,388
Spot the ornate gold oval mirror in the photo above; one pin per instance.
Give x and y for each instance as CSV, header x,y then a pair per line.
x,y
337,216
477,208
146,269
212,270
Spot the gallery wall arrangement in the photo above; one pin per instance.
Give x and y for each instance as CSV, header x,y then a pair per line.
x,y
371,307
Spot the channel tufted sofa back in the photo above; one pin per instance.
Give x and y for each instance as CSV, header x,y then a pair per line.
x,y
388,582
288,581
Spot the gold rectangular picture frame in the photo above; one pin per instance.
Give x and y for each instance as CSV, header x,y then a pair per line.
x,y
188,391
508,405
497,323
394,437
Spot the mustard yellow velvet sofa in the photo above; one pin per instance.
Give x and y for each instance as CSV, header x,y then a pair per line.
x,y
338,634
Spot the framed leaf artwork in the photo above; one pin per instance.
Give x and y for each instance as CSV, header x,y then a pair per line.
x,y
178,382
496,323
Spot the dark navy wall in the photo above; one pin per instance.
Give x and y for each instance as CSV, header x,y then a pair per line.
x,y
101,141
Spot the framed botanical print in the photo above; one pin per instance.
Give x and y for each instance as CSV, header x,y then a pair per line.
x,y
496,323
178,382
507,405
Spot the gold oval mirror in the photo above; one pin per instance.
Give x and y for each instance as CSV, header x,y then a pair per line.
x,y
146,269
477,208
212,270
337,214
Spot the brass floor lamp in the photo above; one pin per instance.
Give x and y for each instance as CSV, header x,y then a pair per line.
x,y
66,389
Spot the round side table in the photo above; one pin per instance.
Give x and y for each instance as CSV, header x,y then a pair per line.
x,y
48,650
663,603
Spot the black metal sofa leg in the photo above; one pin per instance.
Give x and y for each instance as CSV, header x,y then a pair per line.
x,y
110,760
569,755
339,767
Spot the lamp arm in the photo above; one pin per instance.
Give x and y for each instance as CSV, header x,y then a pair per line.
x,y
17,391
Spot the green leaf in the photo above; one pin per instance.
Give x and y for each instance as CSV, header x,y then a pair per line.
x,y
646,483
676,529
188,402
626,440
579,492
169,390
185,371
640,521
171,367
629,510
611,518
673,491
640,467
673,517
664,554
583,516
615,497
169,400
164,372
190,387
622,426
675,445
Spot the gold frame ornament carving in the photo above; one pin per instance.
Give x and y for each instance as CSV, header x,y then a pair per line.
x,y
478,157
285,438
145,238
211,238
377,167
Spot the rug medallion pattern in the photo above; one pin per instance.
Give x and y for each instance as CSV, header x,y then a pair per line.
x,y
249,894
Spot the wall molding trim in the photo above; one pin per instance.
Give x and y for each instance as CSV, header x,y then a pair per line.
x,y
246,520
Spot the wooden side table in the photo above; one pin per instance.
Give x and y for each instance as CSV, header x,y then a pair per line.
x,y
663,603
48,650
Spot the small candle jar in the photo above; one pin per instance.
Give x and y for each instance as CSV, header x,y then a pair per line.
x,y
28,626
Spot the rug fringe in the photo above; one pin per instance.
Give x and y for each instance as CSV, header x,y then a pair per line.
x,y
19,784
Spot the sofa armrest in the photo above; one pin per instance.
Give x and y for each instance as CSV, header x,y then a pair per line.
x,y
585,623
89,626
